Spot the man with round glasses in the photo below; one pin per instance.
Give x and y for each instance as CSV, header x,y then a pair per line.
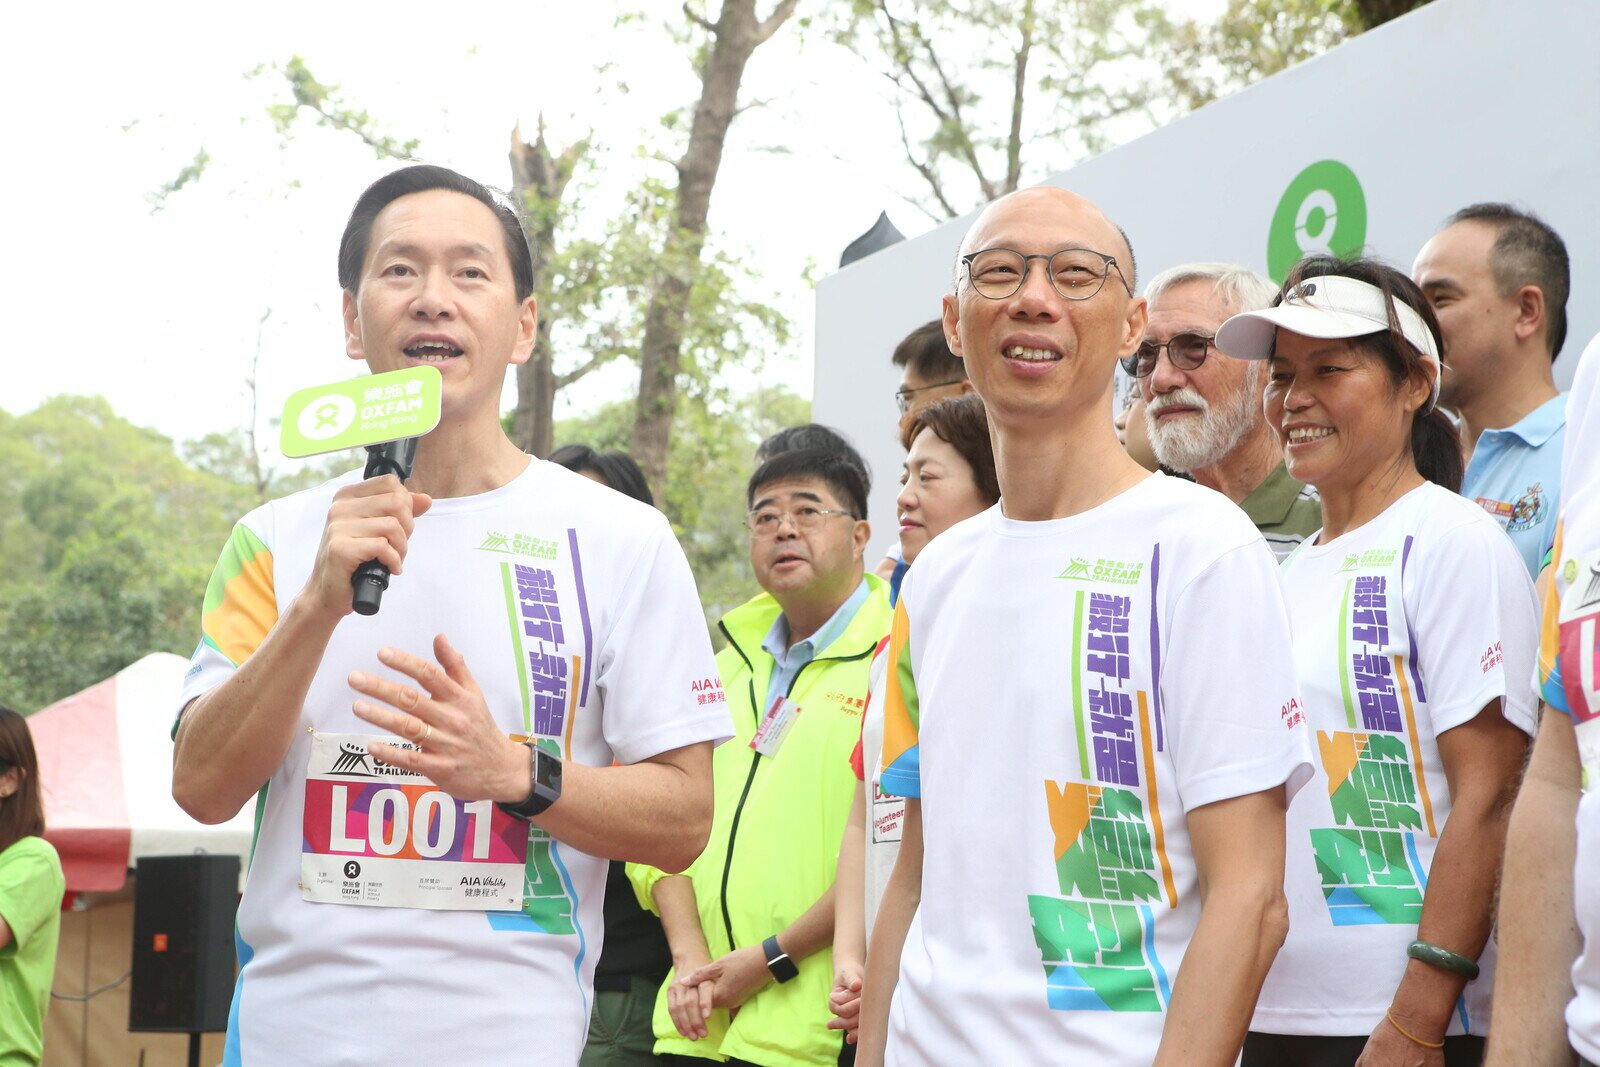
x,y
1203,407
1090,708
750,924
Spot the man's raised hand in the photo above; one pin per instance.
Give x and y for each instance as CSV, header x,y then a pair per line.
x,y
459,746
370,519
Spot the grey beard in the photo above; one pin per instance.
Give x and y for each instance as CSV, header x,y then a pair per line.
x,y
1219,431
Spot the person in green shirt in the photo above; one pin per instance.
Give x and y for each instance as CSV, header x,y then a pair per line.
x,y
1203,407
31,888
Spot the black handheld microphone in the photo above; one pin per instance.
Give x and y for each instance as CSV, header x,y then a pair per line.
x,y
372,578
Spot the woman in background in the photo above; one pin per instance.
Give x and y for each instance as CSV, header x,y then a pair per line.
x,y
31,888
949,476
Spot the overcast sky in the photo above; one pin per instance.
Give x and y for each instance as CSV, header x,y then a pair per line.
x,y
159,312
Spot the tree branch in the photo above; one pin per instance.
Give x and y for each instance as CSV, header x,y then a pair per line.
x,y
928,173
769,25
1018,93
593,363
698,19
949,115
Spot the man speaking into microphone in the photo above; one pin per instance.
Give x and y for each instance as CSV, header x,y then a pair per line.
x,y
441,783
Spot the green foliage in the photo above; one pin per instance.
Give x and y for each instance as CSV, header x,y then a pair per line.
x,y
190,173
1250,40
324,101
992,94
712,456
107,550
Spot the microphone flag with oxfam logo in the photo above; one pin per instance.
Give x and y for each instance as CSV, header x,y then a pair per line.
x,y
1323,212
362,411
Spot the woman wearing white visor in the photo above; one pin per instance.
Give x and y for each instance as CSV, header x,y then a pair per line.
x,y
1415,629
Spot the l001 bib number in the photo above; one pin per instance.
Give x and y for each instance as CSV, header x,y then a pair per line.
x,y
380,836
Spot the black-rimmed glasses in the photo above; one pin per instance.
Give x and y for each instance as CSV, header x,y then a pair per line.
x,y
1186,351
902,397
1075,273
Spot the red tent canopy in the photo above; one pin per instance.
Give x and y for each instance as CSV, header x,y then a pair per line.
x,y
105,762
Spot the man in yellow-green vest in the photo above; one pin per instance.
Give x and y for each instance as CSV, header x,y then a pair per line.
x,y
750,923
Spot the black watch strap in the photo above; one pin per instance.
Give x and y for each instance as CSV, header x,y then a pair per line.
x,y
778,961
544,785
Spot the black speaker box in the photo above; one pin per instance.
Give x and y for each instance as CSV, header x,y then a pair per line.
x,y
183,961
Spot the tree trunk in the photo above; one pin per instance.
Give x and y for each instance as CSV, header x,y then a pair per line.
x,y
533,424
538,180
735,36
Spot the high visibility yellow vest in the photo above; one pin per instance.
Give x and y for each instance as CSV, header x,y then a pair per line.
x,y
775,835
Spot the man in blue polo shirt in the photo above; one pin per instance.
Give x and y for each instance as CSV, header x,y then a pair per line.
x,y
1498,279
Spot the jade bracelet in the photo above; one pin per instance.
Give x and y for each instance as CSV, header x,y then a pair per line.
x,y
1443,958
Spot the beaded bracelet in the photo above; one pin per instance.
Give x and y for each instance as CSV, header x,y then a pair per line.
x,y
1443,958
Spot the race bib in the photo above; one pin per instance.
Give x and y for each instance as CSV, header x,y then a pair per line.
x,y
1579,638
380,836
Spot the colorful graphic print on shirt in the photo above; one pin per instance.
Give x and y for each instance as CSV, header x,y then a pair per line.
x,y
1368,860
1097,940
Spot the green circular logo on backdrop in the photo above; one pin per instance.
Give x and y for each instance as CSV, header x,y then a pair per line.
x,y
1323,210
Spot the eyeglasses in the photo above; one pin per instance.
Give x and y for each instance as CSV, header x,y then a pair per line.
x,y
1186,351
902,397
1075,273
764,524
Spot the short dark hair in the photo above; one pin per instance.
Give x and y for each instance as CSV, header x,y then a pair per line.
x,y
845,479
616,469
420,179
22,814
961,422
1435,443
1526,251
925,351
811,435
1133,261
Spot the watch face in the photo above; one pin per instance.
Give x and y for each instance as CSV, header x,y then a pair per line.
x,y
547,774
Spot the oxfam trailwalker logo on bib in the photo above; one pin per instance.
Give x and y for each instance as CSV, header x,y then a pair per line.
x,y
1323,210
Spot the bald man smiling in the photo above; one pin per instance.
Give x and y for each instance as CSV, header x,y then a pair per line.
x,y
1091,708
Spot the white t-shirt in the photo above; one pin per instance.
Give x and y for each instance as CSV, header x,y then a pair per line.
x,y
1060,694
1403,629
577,615
886,813
1572,640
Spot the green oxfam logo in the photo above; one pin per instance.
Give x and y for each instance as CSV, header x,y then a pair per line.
x,y
1323,210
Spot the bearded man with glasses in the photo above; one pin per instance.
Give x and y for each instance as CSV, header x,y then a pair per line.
x,y
750,924
1203,407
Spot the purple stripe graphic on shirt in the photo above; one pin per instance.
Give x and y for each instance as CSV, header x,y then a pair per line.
x,y
583,613
1411,634
1155,645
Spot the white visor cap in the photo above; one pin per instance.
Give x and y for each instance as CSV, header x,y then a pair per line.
x,y
1332,307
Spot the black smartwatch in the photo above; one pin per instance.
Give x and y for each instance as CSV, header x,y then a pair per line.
x,y
546,784
778,961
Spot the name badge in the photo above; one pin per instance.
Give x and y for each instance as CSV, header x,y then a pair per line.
x,y
888,816
380,836
775,726
1579,638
